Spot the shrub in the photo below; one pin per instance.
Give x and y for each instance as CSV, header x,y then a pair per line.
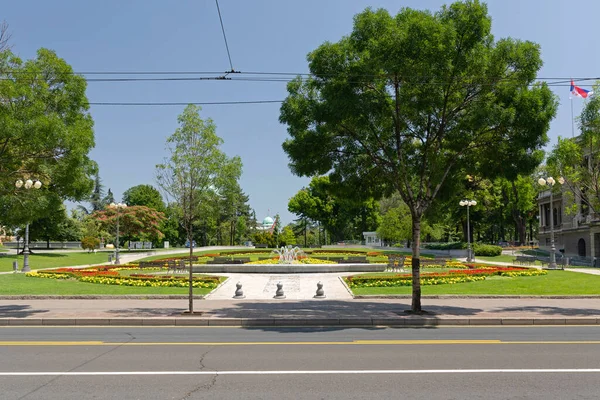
x,y
90,243
486,250
446,246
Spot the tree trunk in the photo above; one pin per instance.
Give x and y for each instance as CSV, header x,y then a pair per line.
x,y
521,229
305,232
190,235
416,264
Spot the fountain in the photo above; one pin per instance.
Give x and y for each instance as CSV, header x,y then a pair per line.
x,y
288,254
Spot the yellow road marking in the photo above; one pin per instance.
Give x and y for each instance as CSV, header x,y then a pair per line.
x,y
51,343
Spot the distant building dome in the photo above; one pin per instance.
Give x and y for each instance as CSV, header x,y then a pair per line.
x,y
268,222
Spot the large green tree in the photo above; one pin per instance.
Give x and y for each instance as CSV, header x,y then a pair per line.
x,y
195,166
46,133
406,103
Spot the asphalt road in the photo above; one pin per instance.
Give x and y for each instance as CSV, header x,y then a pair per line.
x,y
300,363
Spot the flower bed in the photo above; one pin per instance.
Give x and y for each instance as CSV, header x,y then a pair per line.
x,y
109,275
439,278
153,281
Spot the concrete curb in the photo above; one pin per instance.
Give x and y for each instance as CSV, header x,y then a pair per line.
x,y
296,322
477,296
102,297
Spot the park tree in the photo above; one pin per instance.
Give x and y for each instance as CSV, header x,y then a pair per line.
x,y
287,236
172,227
109,198
395,223
194,167
57,225
409,102
344,216
96,199
144,195
135,222
149,196
4,36
46,133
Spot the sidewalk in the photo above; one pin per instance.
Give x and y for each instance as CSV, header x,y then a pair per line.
x,y
330,313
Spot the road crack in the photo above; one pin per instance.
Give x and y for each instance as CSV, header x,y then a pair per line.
x,y
206,386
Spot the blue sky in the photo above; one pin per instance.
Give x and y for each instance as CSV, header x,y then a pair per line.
x,y
263,35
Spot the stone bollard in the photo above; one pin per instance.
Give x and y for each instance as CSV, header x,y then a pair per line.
x,y
320,292
239,293
279,293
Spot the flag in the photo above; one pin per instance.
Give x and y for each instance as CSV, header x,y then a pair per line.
x,y
579,92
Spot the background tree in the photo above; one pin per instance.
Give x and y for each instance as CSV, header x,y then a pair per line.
x,y
109,198
96,198
172,227
407,103
149,196
287,236
57,226
144,195
344,216
134,222
4,36
194,167
395,223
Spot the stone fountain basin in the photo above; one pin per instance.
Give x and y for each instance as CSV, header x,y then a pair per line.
x,y
287,268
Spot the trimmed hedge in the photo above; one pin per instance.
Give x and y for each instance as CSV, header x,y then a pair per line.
x,y
486,250
446,246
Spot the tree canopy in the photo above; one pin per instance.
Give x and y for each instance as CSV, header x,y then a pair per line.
x,y
410,102
144,195
46,131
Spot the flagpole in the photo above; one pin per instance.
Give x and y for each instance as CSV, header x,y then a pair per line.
x,y
572,119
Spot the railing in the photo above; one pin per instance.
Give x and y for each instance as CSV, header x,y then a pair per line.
x,y
44,245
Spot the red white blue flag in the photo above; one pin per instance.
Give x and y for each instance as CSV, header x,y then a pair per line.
x,y
580,92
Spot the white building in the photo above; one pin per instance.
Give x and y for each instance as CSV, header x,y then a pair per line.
x,y
371,239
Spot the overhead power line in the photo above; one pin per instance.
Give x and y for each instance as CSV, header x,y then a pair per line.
x,y
292,74
224,36
261,76
206,103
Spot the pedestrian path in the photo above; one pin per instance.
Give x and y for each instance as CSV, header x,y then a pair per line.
x,y
295,286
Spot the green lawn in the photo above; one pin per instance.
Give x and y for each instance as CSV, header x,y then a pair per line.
x,y
19,284
555,283
504,258
53,260
500,258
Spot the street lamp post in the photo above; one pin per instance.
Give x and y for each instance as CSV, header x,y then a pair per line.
x,y
468,203
28,184
551,182
117,207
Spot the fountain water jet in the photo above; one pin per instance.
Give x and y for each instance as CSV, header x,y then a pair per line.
x,y
289,255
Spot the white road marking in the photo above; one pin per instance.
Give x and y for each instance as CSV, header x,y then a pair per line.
x,y
307,372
